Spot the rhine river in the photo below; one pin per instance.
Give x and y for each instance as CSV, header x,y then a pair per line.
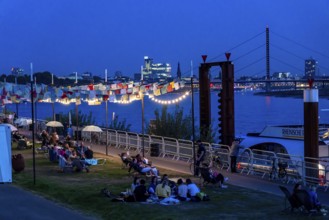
x,y
252,113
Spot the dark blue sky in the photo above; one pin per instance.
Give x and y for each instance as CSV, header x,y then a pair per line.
x,y
63,36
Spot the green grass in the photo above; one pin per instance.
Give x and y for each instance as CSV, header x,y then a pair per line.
x,y
81,191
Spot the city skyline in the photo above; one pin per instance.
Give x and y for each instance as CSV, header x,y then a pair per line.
x,y
79,36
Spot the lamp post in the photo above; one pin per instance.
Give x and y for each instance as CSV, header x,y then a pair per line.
x,y
193,129
32,116
36,114
106,116
76,110
53,103
142,98
16,100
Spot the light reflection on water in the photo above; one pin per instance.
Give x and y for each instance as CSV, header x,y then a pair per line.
x,y
252,113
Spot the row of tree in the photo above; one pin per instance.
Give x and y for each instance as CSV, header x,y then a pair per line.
x,y
175,125
46,78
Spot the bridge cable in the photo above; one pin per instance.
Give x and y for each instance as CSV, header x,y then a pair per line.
x,y
249,52
286,63
275,46
240,44
249,65
299,44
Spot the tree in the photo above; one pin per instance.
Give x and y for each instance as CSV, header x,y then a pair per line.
x,y
84,119
174,125
119,125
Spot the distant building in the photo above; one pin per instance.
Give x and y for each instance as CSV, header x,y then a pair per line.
x,y
179,73
155,72
311,66
17,71
281,75
87,76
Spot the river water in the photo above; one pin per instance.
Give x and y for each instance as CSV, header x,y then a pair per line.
x,y
252,112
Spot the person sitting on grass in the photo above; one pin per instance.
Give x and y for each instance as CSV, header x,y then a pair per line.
x,y
182,190
140,192
135,183
89,154
153,185
192,190
315,201
163,190
216,176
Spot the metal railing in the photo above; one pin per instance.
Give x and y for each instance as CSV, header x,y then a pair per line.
x,y
250,162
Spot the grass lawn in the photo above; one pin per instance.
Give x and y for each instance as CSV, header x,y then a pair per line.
x,y
81,191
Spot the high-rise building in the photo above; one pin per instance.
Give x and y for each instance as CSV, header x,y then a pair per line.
x,y
179,73
311,66
155,72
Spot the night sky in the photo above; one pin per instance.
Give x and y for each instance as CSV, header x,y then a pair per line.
x,y
64,36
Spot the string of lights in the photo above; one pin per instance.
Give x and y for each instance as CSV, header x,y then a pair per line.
x,y
172,101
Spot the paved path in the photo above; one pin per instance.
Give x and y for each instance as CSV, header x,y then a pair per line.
x,y
18,204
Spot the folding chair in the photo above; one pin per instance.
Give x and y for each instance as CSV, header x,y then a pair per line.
x,y
294,203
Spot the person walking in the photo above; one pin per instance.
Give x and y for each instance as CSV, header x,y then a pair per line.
x,y
234,152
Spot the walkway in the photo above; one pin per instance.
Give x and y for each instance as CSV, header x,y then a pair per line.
x,y
20,204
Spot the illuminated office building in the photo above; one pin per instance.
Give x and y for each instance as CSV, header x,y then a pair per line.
x,y
311,66
155,72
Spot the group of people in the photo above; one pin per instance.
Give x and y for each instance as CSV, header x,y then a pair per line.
x,y
312,196
66,155
139,164
162,189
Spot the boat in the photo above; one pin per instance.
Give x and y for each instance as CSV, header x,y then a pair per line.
x,y
285,144
283,139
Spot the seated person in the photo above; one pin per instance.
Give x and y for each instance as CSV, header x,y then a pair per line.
x,y
314,199
141,159
125,158
192,190
135,183
45,138
140,192
81,149
89,154
143,168
153,185
78,164
216,176
163,190
17,136
171,184
182,190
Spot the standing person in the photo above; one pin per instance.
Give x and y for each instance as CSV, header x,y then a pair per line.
x,y
200,156
234,152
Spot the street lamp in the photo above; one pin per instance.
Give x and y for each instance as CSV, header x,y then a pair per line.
x,y
76,110
32,116
53,103
193,125
142,99
106,116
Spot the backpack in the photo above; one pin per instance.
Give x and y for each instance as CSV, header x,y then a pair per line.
x,y
202,196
